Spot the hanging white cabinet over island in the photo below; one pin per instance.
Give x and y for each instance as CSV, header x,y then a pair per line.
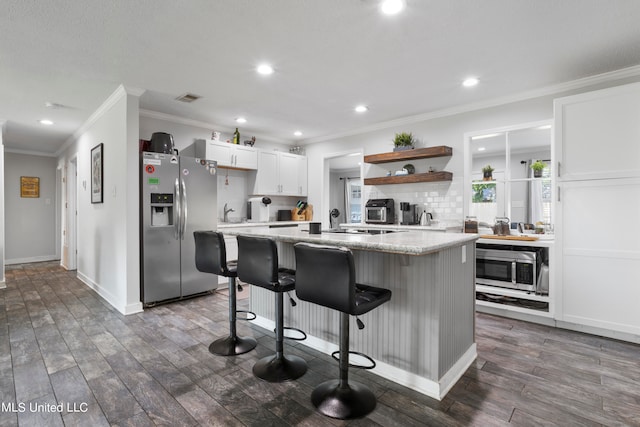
x,y
424,337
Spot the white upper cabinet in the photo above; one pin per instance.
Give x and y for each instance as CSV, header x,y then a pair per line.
x,y
228,155
598,134
281,174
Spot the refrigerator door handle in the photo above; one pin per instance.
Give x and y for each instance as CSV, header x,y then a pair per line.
x,y
184,209
177,216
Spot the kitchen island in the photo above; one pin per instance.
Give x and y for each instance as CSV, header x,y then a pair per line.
x,y
424,337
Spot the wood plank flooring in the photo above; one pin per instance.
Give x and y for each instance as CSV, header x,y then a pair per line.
x,y
61,343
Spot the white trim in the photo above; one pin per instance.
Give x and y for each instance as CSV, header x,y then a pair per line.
x,y
107,296
120,92
41,258
3,285
618,334
29,152
150,114
522,96
433,389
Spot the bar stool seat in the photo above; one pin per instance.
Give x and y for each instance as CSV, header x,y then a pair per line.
x,y
325,275
258,266
211,257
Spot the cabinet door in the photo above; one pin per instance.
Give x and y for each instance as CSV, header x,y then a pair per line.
x,y
267,176
302,175
598,133
220,152
289,174
245,157
600,253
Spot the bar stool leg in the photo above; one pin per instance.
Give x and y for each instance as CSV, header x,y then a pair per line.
x,y
278,367
233,344
340,398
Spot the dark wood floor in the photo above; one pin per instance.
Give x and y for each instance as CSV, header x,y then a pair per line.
x,y
60,342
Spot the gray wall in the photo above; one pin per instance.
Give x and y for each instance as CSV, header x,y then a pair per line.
x,y
30,223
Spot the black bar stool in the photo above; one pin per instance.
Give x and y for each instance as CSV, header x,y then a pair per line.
x,y
258,266
211,257
325,276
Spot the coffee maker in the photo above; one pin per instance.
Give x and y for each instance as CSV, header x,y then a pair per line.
x,y
409,215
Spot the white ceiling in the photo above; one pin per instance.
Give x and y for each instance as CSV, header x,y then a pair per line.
x,y
329,56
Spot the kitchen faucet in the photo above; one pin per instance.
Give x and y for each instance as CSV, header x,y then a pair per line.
x,y
225,217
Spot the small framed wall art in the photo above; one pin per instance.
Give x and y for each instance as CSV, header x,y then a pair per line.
x,y
29,186
96,173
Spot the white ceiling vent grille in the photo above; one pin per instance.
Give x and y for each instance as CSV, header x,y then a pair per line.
x,y
188,97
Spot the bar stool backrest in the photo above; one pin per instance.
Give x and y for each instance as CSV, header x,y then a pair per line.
x,y
258,261
325,275
211,252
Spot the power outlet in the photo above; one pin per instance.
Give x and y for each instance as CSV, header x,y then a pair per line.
x,y
464,253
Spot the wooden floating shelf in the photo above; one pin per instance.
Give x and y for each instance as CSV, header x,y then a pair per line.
x,y
417,153
406,179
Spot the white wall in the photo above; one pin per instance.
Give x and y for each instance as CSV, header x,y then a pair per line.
x,y
30,235
445,200
2,281
108,257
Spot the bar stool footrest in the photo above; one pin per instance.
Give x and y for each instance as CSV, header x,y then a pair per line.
x,y
232,346
336,356
344,402
304,336
247,312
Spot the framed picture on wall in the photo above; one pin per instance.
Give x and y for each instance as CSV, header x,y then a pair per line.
x,y
29,186
96,174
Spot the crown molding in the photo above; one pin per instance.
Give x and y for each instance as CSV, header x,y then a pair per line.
x,y
30,152
197,123
120,92
522,96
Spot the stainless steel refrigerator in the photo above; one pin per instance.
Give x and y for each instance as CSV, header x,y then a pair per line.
x,y
178,196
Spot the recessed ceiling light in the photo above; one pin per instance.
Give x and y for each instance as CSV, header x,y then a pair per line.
x,y
481,148
361,108
241,120
265,69
392,7
45,122
297,133
470,82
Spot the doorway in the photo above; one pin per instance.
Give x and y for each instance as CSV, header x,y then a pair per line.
x,y
343,188
69,246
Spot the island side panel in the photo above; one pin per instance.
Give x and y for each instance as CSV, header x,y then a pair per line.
x,y
456,304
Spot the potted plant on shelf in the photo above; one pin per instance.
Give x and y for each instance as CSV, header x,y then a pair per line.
x,y
487,173
537,167
403,141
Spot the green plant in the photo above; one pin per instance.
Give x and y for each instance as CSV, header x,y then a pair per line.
x,y
403,139
487,169
538,166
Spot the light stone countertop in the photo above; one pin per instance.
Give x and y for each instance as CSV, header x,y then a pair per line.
x,y
226,225
401,242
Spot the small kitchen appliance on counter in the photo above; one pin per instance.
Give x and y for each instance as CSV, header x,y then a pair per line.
x,y
409,216
380,211
259,208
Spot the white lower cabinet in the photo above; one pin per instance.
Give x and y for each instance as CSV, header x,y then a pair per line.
x,y
281,174
600,254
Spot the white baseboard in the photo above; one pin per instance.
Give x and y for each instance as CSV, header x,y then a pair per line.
x,y
3,285
431,388
109,297
42,258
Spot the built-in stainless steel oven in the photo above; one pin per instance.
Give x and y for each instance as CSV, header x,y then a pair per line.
x,y
379,211
509,267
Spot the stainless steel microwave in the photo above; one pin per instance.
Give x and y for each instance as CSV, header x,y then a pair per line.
x,y
510,267
379,211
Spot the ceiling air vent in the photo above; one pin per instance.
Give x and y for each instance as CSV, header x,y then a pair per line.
x,y
188,97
